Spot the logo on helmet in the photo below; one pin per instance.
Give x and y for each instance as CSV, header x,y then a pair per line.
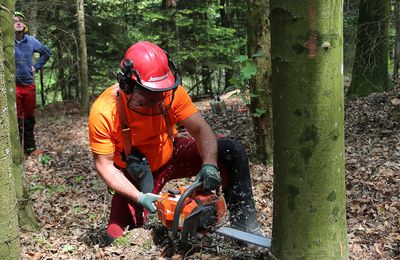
x,y
152,79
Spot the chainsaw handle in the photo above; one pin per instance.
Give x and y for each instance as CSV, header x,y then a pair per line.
x,y
179,206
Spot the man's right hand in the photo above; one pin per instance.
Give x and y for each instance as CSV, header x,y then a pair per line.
x,y
147,201
209,175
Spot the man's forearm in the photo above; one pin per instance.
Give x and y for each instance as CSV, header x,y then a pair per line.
x,y
117,181
206,142
207,145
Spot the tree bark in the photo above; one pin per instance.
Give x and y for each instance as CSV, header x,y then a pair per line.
x,y
33,21
83,67
309,215
259,41
396,58
370,69
26,214
9,238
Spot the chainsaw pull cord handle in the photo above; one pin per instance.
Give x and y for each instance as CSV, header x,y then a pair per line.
x,y
179,206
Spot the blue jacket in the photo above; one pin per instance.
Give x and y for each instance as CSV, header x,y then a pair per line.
x,y
24,51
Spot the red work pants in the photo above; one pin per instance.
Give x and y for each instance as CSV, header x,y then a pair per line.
x,y
26,104
26,100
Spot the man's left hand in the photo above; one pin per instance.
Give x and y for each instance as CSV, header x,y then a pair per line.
x,y
209,175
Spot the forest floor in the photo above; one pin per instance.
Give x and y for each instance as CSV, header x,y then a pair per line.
x,y
72,202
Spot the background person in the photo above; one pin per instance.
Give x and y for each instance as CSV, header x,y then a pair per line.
x,y
25,46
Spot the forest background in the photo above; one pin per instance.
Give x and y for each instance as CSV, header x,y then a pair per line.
x,y
209,42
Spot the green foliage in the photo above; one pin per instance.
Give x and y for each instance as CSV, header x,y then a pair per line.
x,y
36,187
259,112
196,33
56,188
121,241
147,244
92,217
42,241
45,159
68,248
77,179
247,69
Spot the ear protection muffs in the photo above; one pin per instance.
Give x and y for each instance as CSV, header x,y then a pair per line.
x,y
124,77
128,85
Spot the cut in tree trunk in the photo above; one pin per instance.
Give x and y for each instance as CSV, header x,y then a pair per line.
x,y
9,238
259,41
309,215
26,214
370,69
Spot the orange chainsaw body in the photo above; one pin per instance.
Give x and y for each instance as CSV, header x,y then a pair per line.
x,y
166,206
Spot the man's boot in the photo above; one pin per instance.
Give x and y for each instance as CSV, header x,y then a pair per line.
x,y
28,135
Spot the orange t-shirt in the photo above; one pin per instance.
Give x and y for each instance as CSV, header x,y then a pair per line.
x,y
149,133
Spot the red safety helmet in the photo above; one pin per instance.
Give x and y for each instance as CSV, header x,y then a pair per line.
x,y
147,65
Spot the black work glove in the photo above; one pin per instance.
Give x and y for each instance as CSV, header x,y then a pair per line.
x,y
209,175
139,170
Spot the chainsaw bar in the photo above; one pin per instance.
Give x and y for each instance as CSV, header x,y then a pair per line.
x,y
244,236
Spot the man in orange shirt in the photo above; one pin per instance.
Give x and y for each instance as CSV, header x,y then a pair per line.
x,y
136,150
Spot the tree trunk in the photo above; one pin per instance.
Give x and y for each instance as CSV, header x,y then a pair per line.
x,y
61,79
9,238
309,215
83,68
396,58
33,15
370,69
259,41
226,21
26,215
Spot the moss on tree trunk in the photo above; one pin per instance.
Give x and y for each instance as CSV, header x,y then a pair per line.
x,y
9,239
26,215
309,219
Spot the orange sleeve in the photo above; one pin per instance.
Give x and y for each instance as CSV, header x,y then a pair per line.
x,y
182,105
101,126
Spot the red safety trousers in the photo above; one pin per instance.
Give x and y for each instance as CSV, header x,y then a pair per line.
x,y
26,100
26,104
185,162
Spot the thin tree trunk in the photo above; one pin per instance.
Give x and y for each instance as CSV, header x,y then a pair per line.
x,y
82,58
396,58
259,41
309,215
226,21
370,69
9,238
26,215
33,21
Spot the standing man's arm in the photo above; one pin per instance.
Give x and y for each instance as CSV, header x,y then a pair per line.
x,y
44,52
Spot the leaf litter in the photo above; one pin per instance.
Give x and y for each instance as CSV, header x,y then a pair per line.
x,y
71,201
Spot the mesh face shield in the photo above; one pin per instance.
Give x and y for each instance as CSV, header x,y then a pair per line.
x,y
146,102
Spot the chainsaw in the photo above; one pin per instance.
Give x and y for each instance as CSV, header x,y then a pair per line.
x,y
189,211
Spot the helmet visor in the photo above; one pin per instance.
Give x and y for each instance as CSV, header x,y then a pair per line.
x,y
146,102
